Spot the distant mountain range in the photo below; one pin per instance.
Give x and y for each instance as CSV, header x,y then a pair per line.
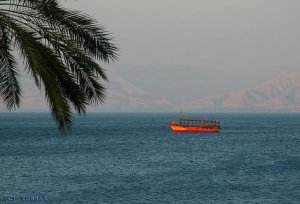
x,y
279,94
123,95
173,88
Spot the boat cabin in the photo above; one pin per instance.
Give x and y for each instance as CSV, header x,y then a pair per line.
x,y
191,122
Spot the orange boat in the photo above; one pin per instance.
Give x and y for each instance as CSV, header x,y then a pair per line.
x,y
195,125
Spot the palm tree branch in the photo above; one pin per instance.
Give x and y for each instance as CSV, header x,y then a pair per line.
x,y
81,65
83,29
9,84
58,47
46,67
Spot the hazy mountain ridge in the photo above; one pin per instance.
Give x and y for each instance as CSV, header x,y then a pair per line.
x,y
127,93
123,95
279,94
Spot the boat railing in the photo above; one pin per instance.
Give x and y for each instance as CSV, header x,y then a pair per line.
x,y
188,122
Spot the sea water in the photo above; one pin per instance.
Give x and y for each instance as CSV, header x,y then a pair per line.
x,y
136,158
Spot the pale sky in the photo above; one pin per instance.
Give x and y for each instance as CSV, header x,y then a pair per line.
x,y
248,41
242,42
227,34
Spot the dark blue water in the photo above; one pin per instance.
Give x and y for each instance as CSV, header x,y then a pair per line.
x,y
135,158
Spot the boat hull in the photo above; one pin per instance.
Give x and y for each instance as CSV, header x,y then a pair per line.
x,y
177,128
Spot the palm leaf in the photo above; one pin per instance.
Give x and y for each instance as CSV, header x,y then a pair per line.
x,y
59,48
9,84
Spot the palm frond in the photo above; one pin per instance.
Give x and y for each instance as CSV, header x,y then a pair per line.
x,y
46,69
9,84
59,48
